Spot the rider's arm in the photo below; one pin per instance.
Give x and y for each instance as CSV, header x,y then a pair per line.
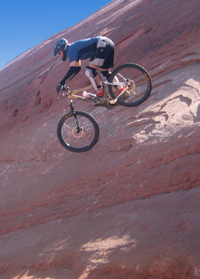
x,y
73,70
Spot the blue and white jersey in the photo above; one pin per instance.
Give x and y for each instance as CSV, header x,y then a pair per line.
x,y
82,49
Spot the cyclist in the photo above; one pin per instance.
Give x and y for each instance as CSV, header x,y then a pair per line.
x,y
99,49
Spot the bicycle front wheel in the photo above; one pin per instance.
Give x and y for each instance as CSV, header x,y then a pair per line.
x,y
136,79
78,132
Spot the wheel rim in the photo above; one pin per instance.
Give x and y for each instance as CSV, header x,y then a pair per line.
x,y
78,141
137,82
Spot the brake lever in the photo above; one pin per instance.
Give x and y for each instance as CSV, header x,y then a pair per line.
x,y
65,88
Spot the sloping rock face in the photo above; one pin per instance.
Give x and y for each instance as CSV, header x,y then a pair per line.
x,y
129,207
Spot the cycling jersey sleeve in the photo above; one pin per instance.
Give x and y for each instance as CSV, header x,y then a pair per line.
x,y
73,71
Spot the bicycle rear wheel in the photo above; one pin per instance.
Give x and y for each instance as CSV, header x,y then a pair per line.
x,y
136,78
78,132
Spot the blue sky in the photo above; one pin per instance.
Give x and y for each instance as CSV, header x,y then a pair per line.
x,y
24,24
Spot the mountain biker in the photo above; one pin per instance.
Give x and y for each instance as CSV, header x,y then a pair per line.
x,y
99,49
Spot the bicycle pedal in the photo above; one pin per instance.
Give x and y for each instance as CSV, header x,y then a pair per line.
x,y
113,102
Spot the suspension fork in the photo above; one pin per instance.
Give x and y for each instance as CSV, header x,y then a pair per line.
x,y
78,128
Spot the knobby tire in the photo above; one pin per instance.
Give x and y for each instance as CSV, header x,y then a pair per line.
x,y
78,142
139,77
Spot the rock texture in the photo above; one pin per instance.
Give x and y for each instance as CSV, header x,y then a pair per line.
x,y
129,207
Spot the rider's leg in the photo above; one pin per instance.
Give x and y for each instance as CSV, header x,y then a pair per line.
x,y
103,58
105,73
91,73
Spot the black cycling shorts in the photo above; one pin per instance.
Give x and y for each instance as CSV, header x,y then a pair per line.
x,y
104,54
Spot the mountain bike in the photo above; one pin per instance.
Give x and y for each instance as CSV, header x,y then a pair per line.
x,y
78,131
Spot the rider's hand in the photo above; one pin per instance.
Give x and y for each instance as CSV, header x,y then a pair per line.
x,y
59,87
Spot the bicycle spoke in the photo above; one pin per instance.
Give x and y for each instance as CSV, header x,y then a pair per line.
x,y
135,79
78,138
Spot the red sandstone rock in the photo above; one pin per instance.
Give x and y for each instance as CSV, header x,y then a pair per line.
x,y
129,207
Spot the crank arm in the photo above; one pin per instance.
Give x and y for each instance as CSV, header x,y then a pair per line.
x,y
113,102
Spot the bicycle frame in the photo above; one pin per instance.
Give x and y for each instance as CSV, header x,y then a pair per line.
x,y
72,94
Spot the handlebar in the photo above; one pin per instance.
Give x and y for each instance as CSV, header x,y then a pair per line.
x,y
65,88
